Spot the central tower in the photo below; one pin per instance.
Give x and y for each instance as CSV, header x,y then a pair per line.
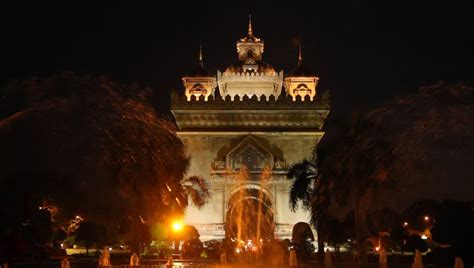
x,y
242,129
250,76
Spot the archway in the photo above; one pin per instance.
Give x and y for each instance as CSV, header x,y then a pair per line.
x,y
249,215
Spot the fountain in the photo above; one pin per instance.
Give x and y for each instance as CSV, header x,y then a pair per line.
x,y
65,263
382,258
327,258
417,262
223,258
293,261
170,262
249,218
458,263
134,260
104,260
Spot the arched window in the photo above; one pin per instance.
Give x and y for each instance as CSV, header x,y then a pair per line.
x,y
250,53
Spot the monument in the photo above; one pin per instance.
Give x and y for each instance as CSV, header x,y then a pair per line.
x,y
242,128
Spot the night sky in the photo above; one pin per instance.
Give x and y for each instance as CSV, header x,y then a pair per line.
x,y
365,53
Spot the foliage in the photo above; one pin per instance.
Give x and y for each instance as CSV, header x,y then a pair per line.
x,y
384,220
303,173
450,223
91,233
430,134
91,147
197,189
313,190
159,232
40,229
398,146
414,242
91,137
336,234
58,236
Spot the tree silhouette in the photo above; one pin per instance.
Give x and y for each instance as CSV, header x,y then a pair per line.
x,y
91,233
312,189
94,147
404,142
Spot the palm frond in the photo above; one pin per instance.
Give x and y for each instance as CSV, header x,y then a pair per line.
x,y
197,189
302,174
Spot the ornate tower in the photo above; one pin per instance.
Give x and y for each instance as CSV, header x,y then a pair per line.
x,y
250,74
199,83
301,82
243,138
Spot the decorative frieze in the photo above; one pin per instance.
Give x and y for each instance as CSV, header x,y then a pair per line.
x,y
249,84
250,120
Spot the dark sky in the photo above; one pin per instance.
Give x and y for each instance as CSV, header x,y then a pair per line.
x,y
365,53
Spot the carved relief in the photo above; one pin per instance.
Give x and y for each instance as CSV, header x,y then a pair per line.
x,y
199,86
302,87
250,153
302,90
251,157
198,90
218,165
280,165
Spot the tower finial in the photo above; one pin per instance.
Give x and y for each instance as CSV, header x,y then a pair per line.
x,y
300,57
200,56
250,33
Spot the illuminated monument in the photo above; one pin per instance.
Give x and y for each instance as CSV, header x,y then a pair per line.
x,y
242,128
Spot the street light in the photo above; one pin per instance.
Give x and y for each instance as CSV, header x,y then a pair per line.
x,y
177,227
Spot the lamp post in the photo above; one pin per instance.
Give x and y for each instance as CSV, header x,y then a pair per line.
x,y
177,227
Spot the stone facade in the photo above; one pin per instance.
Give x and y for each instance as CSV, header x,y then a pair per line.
x,y
243,135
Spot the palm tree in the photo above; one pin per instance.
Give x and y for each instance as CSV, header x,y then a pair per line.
x,y
311,189
358,166
349,171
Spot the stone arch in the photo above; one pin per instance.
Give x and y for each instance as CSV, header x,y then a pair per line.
x,y
250,186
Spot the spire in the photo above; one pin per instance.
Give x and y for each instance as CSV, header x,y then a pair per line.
x,y
250,33
200,56
300,69
300,57
199,69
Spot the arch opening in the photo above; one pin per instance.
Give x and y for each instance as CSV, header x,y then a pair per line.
x,y
249,215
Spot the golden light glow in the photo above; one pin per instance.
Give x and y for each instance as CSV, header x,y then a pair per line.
x,y
427,218
177,226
